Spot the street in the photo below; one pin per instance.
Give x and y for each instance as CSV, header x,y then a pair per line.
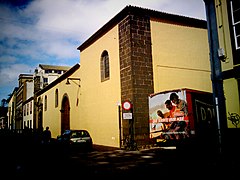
x,y
52,161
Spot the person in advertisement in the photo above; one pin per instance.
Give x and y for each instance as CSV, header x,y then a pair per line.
x,y
171,108
158,125
181,104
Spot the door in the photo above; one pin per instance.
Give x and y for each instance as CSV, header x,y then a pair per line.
x,y
65,114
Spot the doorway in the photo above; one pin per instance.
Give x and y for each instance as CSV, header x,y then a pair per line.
x,y
65,114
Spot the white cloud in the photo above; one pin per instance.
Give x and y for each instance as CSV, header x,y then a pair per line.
x,y
50,31
7,59
60,49
11,73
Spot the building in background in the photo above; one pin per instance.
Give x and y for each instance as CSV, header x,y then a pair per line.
x,y
45,74
21,102
12,109
25,86
3,117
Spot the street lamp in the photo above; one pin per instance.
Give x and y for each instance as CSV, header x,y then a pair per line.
x,y
78,84
73,80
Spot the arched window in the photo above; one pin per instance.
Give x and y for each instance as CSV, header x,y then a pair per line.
x,y
45,103
105,68
56,98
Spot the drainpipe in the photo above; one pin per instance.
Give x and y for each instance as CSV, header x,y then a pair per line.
x,y
216,75
120,125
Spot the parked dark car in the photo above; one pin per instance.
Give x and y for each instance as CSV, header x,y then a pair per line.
x,y
76,139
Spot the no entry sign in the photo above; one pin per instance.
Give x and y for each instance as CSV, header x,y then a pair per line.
x,y
127,105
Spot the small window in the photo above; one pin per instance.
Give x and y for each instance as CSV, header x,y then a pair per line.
x,y
30,124
57,71
47,71
27,109
31,107
45,103
56,98
24,110
235,11
45,80
105,68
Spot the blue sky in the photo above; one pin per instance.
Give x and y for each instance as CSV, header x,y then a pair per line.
x,y
37,32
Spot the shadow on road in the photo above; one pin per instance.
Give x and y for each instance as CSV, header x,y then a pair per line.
x,y
28,159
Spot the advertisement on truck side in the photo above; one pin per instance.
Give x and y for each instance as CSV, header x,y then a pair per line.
x,y
168,113
182,114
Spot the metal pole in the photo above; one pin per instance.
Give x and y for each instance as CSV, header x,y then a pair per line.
x,y
120,126
218,125
132,127
216,73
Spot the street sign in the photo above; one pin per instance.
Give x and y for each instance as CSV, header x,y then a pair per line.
x,y
127,105
127,115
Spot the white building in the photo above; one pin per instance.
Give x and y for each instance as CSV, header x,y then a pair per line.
x,y
49,73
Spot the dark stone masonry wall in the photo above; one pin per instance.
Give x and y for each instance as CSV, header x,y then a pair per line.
x,y
136,70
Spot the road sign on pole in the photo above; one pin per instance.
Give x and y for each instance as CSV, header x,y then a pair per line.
x,y
127,105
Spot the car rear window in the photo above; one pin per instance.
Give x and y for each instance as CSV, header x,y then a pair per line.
x,y
76,134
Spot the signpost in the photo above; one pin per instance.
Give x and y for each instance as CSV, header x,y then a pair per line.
x,y
127,106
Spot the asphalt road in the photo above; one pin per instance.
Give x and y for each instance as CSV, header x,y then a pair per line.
x,y
53,161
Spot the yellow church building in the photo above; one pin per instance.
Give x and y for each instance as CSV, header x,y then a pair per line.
x,y
137,53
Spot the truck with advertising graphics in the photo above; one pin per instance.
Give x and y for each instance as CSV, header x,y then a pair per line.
x,y
182,114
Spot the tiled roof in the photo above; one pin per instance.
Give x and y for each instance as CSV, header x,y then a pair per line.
x,y
53,67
